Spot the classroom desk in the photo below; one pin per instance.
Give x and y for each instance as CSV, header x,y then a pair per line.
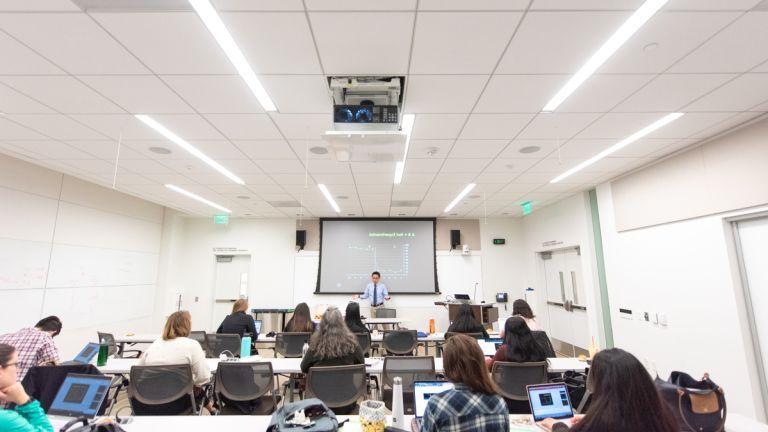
x,y
394,322
734,423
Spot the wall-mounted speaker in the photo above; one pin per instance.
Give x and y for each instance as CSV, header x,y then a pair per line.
x,y
455,238
301,239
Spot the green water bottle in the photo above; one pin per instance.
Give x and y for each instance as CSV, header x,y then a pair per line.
x,y
103,353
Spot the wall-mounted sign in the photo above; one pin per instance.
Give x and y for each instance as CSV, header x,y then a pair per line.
x,y
221,219
527,207
499,241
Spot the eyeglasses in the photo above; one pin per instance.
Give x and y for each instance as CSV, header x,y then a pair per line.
x,y
12,364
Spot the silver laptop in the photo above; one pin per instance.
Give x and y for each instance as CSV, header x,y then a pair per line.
x,y
85,356
422,391
80,396
550,401
490,346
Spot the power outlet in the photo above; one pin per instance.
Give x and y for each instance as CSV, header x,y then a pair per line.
x,y
646,316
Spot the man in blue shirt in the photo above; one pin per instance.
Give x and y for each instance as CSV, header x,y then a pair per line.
x,y
376,291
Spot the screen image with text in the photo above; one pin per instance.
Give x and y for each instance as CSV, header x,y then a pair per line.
x,y
403,251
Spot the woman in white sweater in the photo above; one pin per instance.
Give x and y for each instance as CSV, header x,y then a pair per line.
x,y
176,348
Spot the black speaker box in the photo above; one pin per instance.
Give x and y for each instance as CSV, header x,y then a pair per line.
x,y
301,239
455,238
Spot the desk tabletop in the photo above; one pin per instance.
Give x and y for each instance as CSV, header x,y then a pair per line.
x,y
375,337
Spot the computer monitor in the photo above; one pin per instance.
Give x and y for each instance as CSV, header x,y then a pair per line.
x,y
549,401
423,390
80,396
87,354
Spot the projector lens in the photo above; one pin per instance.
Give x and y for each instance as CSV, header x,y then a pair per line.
x,y
364,115
344,115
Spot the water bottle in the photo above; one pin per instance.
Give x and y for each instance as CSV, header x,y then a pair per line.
x,y
304,349
103,353
398,416
431,326
245,347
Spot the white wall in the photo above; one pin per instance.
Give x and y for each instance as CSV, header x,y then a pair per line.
x,y
503,265
73,249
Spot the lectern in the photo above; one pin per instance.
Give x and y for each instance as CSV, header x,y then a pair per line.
x,y
486,313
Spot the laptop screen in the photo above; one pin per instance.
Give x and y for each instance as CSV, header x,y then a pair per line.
x,y
80,396
490,346
88,353
423,390
257,326
549,401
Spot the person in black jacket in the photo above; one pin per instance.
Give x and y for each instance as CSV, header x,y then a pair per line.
x,y
239,322
465,322
353,320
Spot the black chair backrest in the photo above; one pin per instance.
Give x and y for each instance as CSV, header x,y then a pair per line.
x,y
449,335
541,337
337,386
409,369
162,390
109,338
244,381
364,340
218,343
512,378
385,313
199,336
291,344
400,342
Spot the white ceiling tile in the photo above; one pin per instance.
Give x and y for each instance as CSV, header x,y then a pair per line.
x,y
217,149
62,93
494,126
443,93
329,166
354,5
398,195
13,102
38,6
373,188
384,54
281,166
726,124
333,179
244,126
373,167
50,149
191,127
510,166
423,165
18,59
443,37
586,4
545,146
589,148
737,48
740,94
437,126
144,166
518,93
429,149
116,125
132,179
168,42
474,5
258,5
56,126
73,41
557,125
220,94
138,94
414,178
651,50
93,166
671,92
302,126
603,92
464,165
266,149
619,125
494,178
299,93
558,42
106,149
290,179
193,166
274,43
477,148
374,178
14,131
690,123
241,166
739,5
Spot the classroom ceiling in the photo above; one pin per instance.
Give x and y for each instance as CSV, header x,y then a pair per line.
x,y
478,74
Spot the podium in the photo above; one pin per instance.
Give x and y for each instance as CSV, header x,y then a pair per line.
x,y
485,313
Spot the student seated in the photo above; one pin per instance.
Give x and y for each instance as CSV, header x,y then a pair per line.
x,y
473,404
522,309
624,398
333,345
176,348
465,322
353,320
239,322
519,345
34,345
301,321
28,415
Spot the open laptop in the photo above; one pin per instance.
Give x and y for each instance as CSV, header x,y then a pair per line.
x,y
422,391
462,298
80,396
550,401
490,346
257,326
85,356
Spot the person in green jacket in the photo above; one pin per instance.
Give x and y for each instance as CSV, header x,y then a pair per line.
x,y
28,416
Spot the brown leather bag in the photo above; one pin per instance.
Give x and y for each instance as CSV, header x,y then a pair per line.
x,y
698,406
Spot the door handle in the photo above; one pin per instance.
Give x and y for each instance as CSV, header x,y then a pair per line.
x,y
573,285
562,287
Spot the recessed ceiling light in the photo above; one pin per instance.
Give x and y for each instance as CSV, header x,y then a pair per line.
x,y
459,197
667,119
407,127
197,198
342,197
529,149
650,47
160,150
617,39
329,197
243,197
318,150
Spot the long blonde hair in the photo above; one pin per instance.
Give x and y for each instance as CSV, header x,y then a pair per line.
x,y
332,339
179,324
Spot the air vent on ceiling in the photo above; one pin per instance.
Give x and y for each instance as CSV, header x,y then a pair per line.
x,y
133,5
284,204
406,203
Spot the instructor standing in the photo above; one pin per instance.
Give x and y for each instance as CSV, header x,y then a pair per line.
x,y
376,291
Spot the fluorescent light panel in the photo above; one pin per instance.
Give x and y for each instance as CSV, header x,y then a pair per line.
x,y
460,196
407,126
630,27
667,119
330,199
216,26
162,130
197,198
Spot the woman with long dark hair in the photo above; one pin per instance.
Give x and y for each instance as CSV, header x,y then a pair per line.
x,y
522,309
353,320
519,345
301,321
465,322
624,398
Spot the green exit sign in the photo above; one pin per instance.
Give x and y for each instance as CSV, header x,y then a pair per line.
x,y
527,207
499,241
222,219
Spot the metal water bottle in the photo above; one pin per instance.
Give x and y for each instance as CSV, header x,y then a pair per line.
x,y
304,349
398,416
